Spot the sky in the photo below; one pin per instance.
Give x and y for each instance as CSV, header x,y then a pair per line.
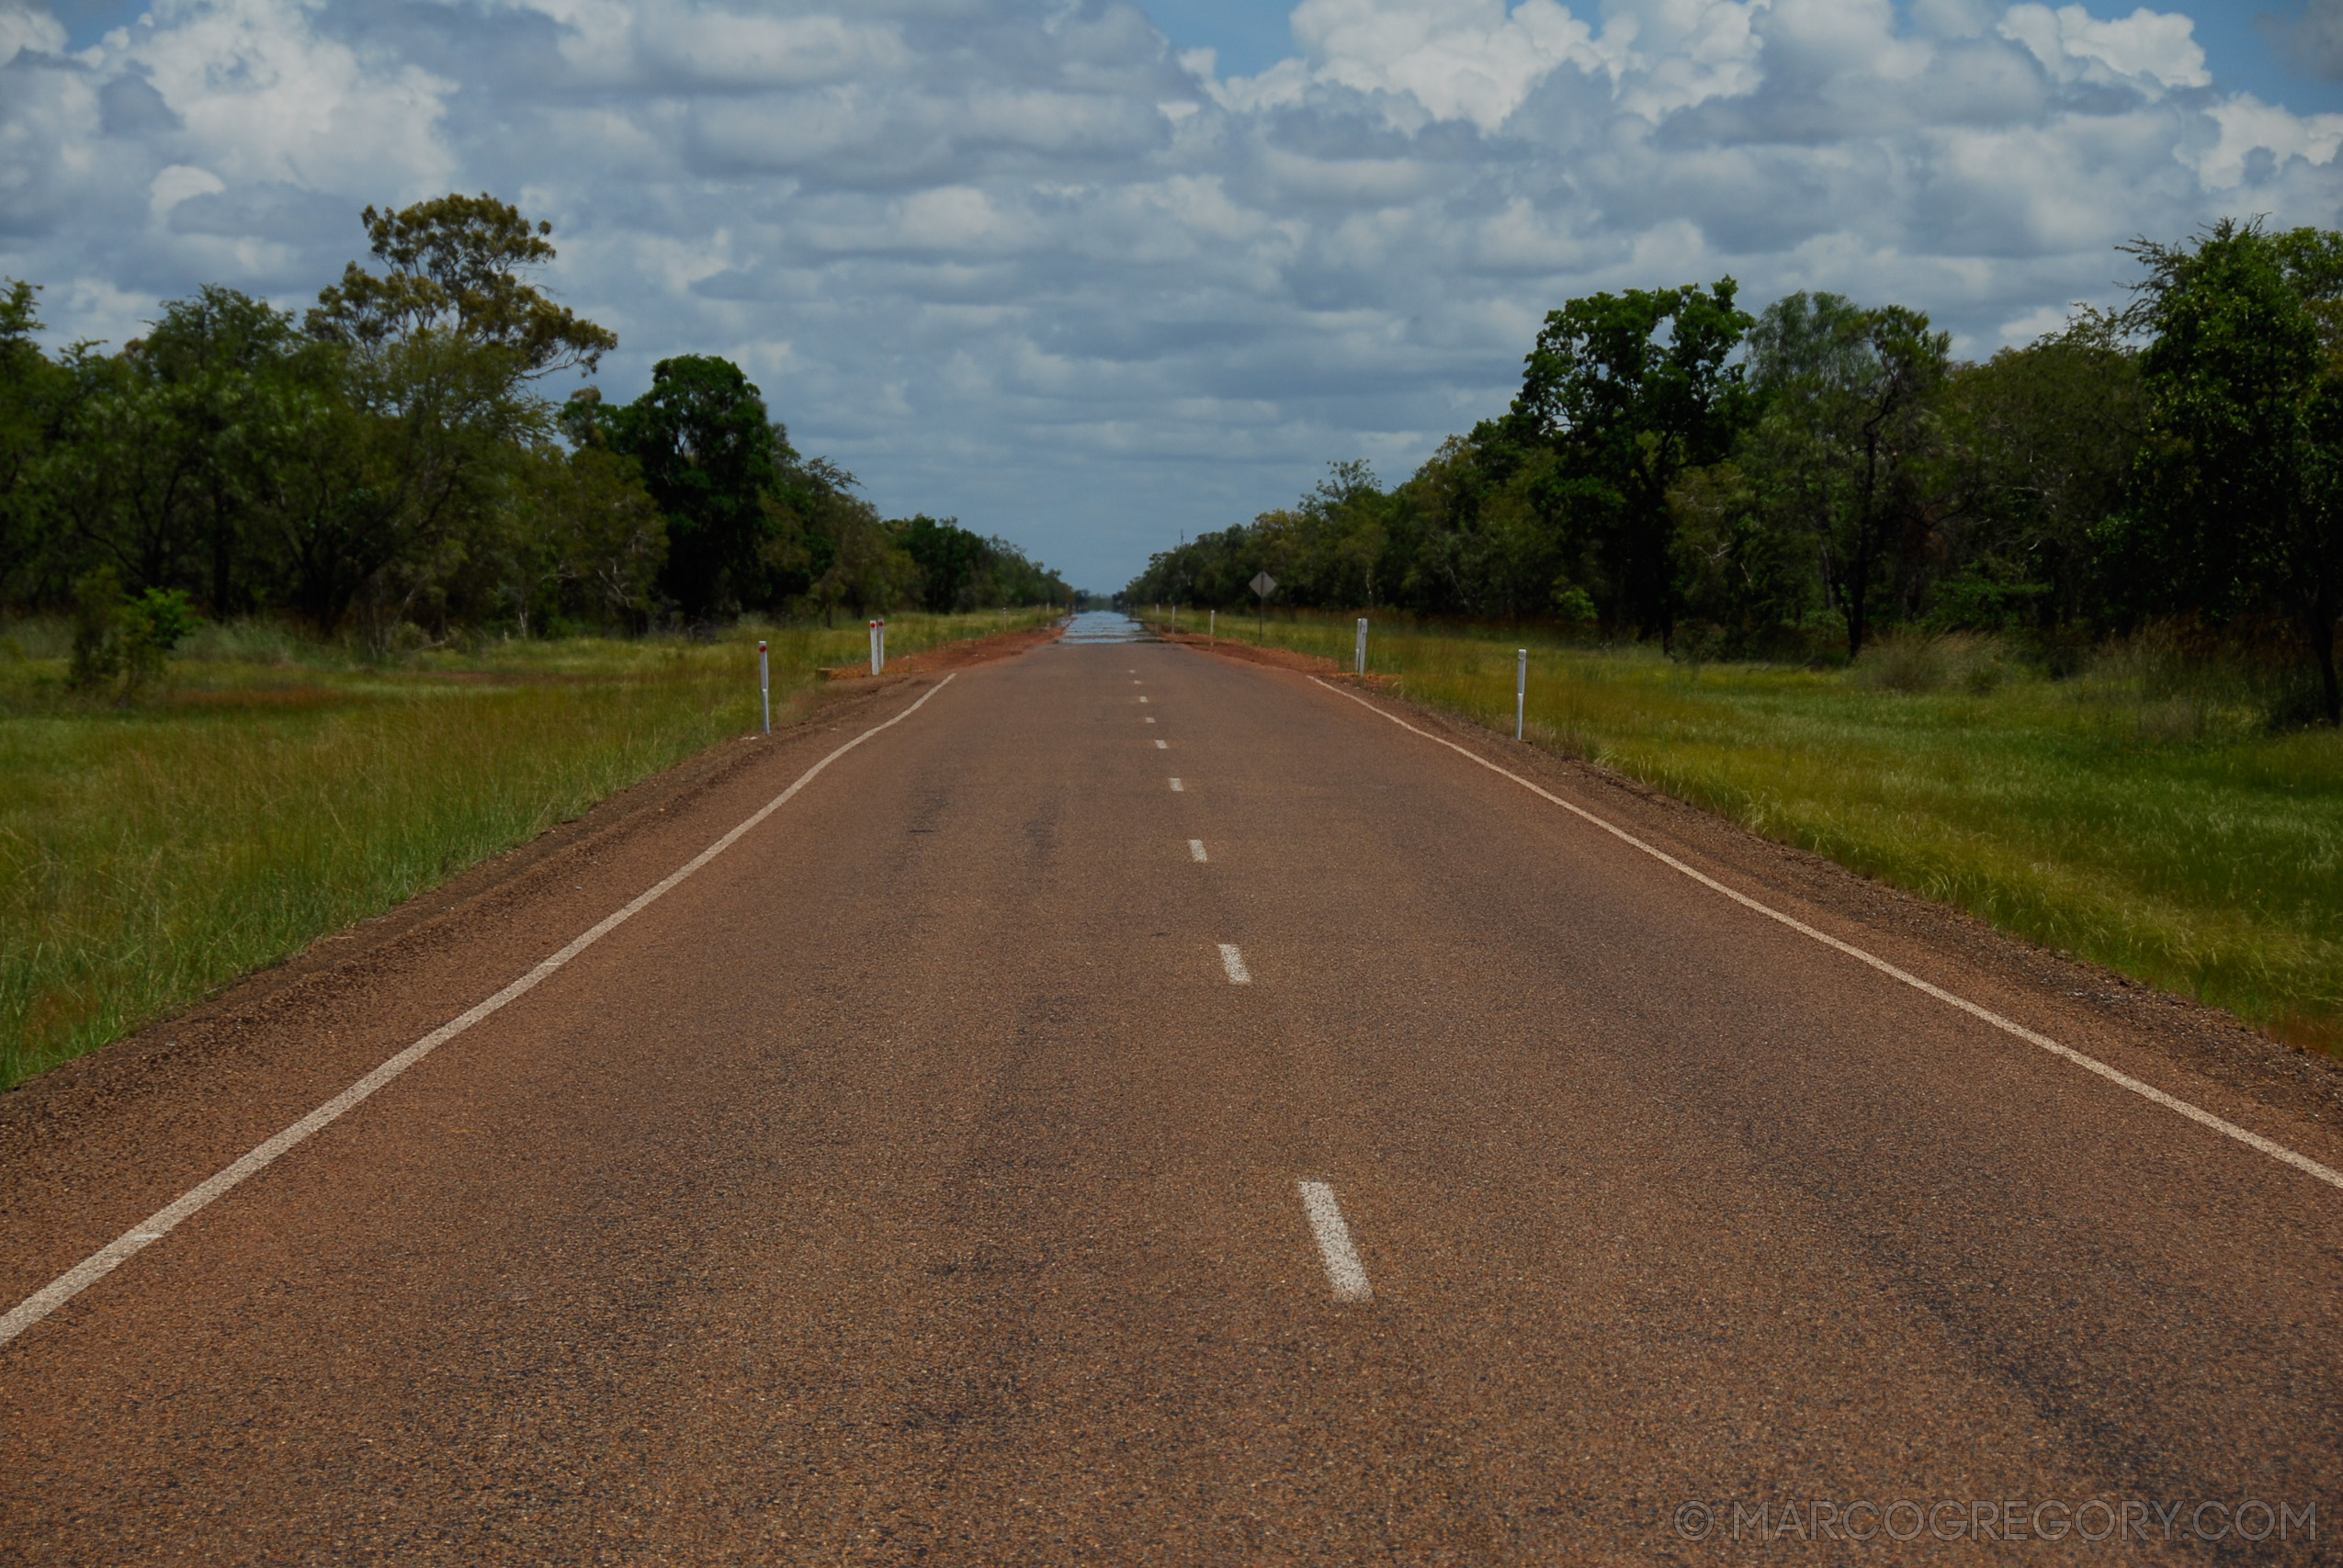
x,y
1093,275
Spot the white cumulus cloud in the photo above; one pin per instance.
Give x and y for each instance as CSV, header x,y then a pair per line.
x,y
1020,259
2146,47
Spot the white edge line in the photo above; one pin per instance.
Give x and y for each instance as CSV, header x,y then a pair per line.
x,y
1344,1272
1234,963
160,1224
2252,1139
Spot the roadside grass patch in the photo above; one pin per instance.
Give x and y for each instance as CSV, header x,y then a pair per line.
x,y
2144,815
274,790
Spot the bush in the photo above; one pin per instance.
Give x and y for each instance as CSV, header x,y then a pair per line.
x,y
1911,660
98,630
130,639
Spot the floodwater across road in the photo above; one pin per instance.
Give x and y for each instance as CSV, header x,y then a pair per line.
x,y
1095,626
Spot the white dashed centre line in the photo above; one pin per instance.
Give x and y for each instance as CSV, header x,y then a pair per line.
x,y
1163,745
1176,788
1343,1269
1142,699
1234,961
1195,849
1148,719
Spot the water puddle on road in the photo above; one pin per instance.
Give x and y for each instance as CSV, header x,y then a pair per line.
x,y
1104,625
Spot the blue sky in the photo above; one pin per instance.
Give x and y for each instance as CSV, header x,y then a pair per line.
x,y
1044,265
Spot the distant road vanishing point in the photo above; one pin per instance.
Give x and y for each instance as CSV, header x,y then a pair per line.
x,y
1123,1104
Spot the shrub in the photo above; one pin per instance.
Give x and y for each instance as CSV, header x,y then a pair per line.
x,y
126,638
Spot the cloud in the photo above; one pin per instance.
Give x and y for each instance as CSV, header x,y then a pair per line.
x,y
23,28
2258,139
1473,61
2144,48
1019,260
2315,40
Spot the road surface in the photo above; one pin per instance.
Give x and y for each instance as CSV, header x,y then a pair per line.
x,y
1147,1108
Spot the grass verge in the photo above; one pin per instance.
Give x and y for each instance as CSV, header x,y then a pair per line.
x,y
275,791
2132,816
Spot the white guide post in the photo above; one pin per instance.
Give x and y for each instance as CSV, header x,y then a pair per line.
x,y
765,686
1358,651
882,642
1212,626
1521,687
874,647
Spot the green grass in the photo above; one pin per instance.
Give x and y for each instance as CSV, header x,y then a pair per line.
x,y
275,790
2138,816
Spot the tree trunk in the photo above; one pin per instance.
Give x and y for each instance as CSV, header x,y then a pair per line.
x,y
222,556
1855,589
2321,628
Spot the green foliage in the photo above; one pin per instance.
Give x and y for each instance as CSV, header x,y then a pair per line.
x,y
152,625
33,392
454,266
98,630
1849,432
2040,442
711,458
1629,391
388,469
581,542
2240,483
120,638
959,569
1843,477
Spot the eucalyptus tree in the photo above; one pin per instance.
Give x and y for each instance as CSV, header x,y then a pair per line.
x,y
1628,391
2239,488
2041,442
435,360
1848,436
33,393
712,459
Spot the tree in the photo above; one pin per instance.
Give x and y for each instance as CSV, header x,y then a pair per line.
x,y
152,466
453,267
2239,490
420,390
216,351
581,537
2041,442
867,569
961,569
711,459
1625,411
35,394
1847,435
386,457
1750,578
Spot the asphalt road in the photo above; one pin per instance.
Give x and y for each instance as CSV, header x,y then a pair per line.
x,y
917,1181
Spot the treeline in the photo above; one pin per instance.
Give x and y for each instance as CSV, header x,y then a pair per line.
x,y
1789,484
387,463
